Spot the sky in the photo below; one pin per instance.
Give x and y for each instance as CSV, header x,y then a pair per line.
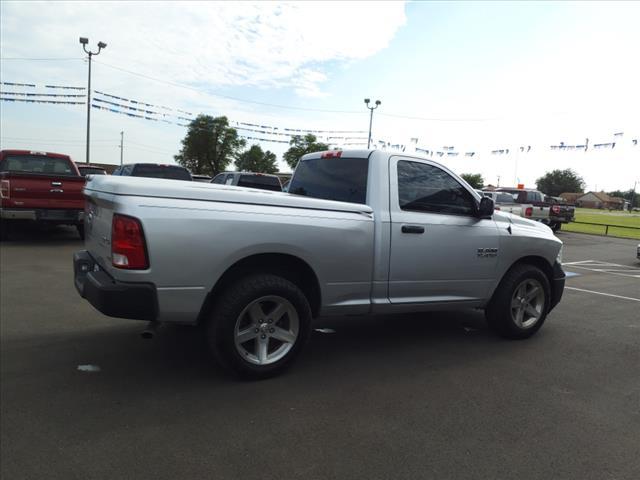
x,y
474,77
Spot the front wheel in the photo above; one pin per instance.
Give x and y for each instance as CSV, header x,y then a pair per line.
x,y
556,226
259,325
520,304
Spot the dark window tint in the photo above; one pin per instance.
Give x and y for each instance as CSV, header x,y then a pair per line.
x,y
342,179
426,188
37,164
117,171
161,171
260,181
218,178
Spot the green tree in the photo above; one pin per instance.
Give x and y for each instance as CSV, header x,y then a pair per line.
x,y
300,146
256,160
560,181
630,195
209,145
473,179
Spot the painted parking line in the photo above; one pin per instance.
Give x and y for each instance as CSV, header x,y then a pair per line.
x,y
602,293
606,267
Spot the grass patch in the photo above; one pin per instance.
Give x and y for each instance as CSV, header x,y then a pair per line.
x,y
604,217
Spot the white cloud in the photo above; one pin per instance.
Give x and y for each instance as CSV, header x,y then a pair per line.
x,y
209,43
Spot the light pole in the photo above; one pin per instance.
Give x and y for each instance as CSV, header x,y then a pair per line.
x,y
121,146
366,101
84,41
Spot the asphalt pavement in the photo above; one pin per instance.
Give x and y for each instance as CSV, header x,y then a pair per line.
x,y
421,396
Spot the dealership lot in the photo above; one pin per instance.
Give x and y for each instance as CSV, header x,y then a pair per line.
x,y
432,396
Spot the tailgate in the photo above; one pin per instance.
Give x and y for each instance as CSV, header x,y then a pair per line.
x,y
33,191
97,227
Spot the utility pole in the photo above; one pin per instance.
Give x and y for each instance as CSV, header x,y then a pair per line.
x,y
366,101
121,146
84,41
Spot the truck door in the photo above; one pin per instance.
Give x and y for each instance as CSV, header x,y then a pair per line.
x,y
440,250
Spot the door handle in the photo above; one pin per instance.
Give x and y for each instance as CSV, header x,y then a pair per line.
x,y
412,229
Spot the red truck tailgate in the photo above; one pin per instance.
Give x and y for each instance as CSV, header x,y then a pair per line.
x,y
28,190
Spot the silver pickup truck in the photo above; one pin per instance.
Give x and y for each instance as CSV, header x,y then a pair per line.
x,y
359,233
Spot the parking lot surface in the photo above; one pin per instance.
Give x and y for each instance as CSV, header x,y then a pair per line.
x,y
421,396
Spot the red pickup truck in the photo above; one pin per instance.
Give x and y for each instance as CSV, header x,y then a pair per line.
x,y
41,187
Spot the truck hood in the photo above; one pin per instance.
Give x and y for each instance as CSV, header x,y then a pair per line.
x,y
516,221
209,192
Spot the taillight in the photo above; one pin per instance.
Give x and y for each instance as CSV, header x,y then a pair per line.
x,y
333,154
528,212
555,209
5,189
128,247
496,208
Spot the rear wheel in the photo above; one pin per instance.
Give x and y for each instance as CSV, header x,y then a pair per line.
x,y
259,325
556,226
520,304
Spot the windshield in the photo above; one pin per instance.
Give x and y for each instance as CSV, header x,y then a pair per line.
x,y
37,164
341,179
161,171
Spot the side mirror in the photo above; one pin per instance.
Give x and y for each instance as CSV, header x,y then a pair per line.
x,y
485,209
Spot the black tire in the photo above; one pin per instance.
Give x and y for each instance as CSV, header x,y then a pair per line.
x,y
227,310
80,228
499,313
556,226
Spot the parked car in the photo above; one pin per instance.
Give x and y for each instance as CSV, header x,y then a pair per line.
x,y
41,187
560,212
88,169
153,170
201,178
505,203
360,233
638,252
262,181
531,201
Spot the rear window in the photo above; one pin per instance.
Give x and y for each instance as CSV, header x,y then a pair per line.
x,y
161,171
37,164
504,198
342,179
260,181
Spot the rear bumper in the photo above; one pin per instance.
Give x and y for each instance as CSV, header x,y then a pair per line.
x,y
43,215
557,285
137,301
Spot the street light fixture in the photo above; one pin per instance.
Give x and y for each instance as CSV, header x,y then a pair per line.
x,y
367,101
84,41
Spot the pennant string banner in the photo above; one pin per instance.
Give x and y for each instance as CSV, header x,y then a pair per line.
x,y
64,87
25,94
140,103
13,84
30,100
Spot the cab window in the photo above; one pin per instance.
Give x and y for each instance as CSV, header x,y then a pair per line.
x,y
426,188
